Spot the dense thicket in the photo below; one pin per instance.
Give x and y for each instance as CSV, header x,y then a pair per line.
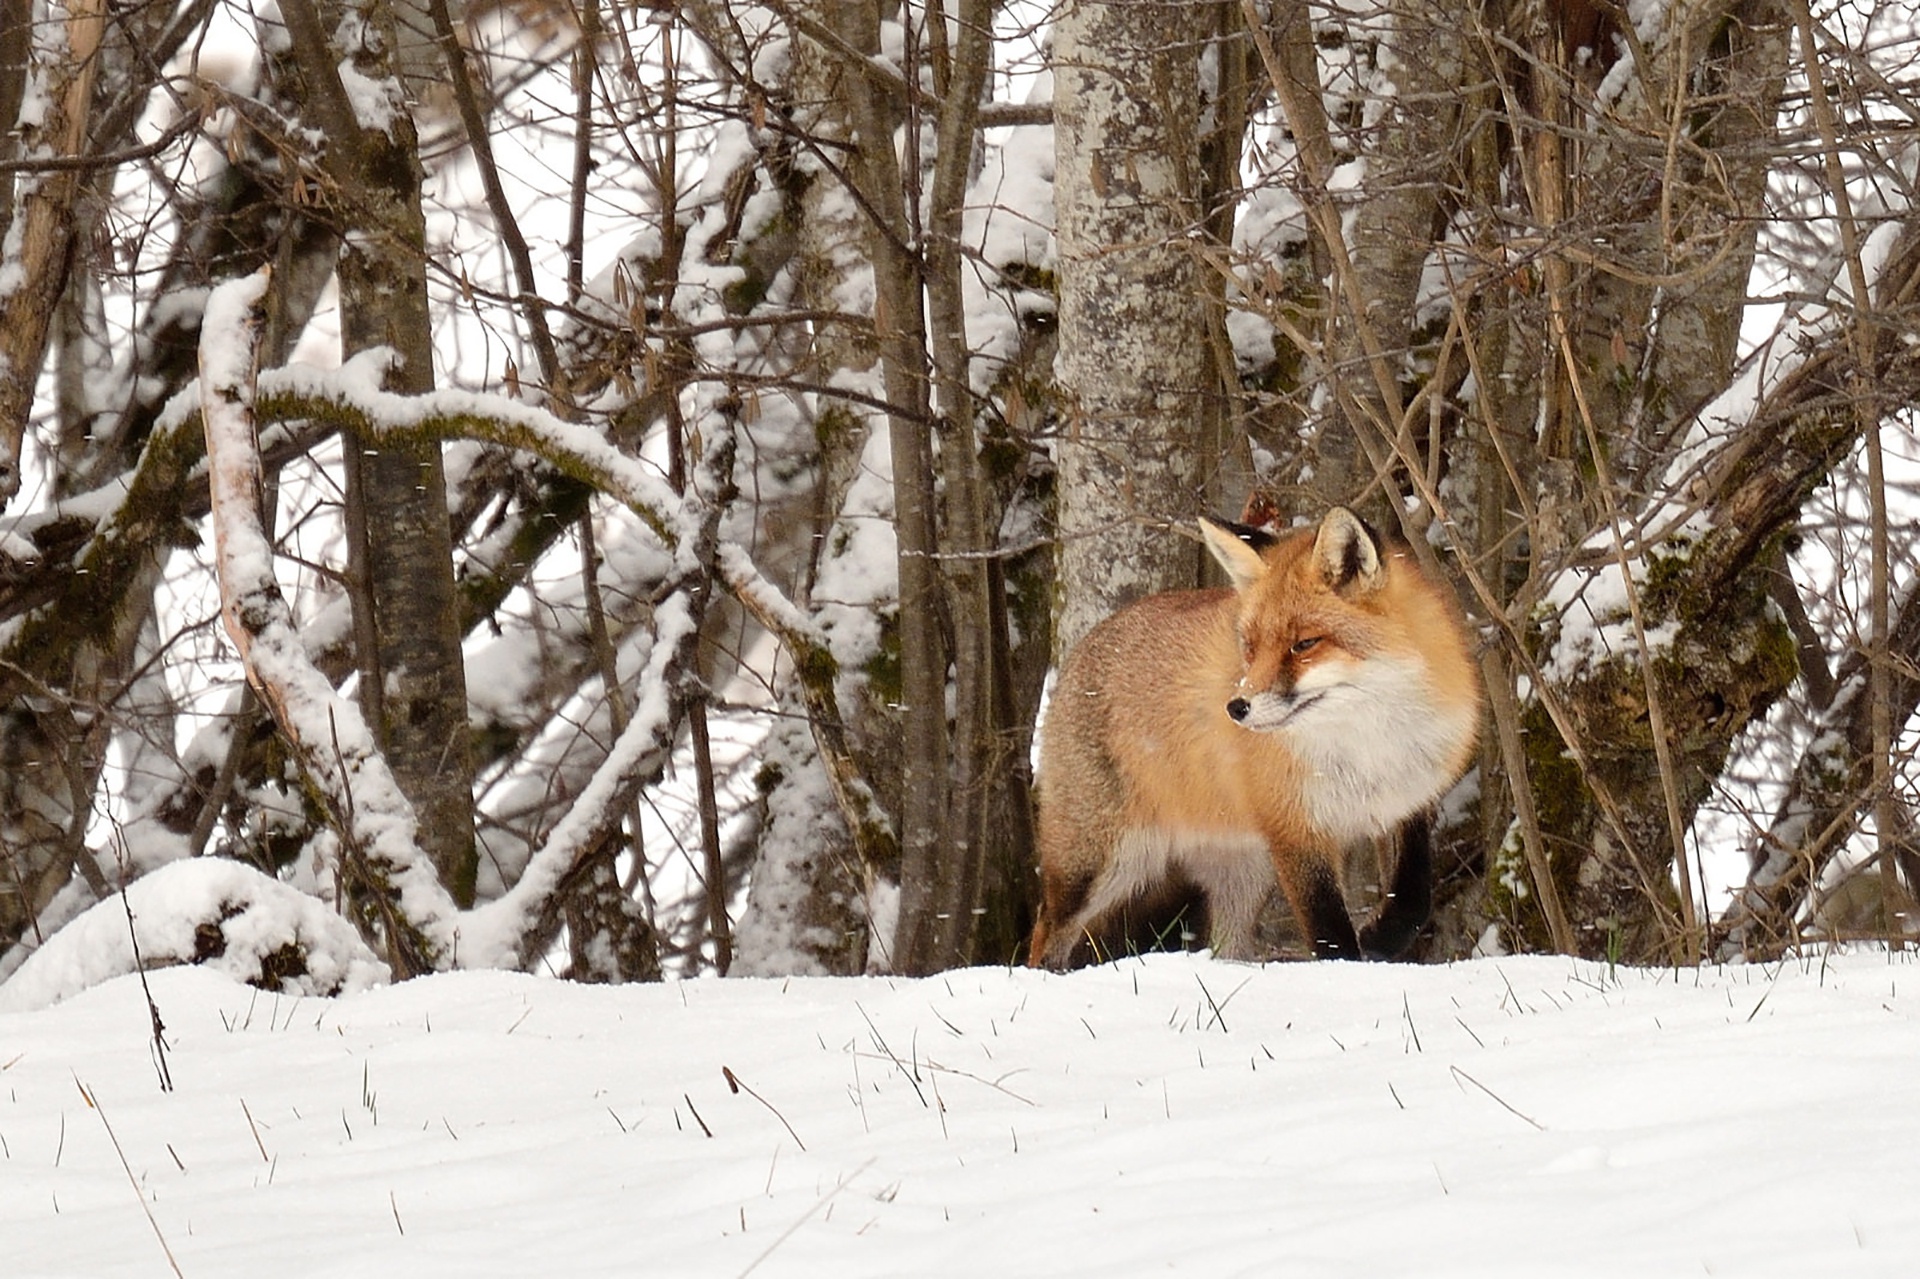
x,y
686,433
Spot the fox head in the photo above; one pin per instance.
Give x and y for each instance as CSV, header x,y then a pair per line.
x,y
1356,660
1313,613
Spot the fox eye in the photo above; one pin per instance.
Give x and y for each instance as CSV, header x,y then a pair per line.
x,y
1306,645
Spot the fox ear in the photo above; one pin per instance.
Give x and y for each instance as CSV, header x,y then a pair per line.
x,y
1346,552
1236,548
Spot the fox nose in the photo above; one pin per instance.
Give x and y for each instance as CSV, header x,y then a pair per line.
x,y
1238,709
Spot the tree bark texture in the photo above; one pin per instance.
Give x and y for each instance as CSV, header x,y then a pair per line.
x,y
65,58
412,677
1134,365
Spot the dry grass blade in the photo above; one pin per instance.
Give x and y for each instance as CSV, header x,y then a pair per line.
x,y
94,1105
734,1082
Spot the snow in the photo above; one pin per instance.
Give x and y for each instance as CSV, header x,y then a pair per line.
x,y
376,103
776,935
191,907
1008,220
1593,619
858,577
17,549
1010,209
1514,1116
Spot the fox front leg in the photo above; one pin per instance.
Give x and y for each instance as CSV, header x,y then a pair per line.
x,y
1313,890
1409,899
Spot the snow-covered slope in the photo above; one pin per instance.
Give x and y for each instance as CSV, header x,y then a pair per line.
x,y
1173,1116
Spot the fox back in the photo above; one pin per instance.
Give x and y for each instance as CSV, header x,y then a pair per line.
x,y
1201,744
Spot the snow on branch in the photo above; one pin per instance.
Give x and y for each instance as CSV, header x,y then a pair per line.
x,y
130,511
1753,456
769,606
325,730
494,934
504,932
815,669
352,397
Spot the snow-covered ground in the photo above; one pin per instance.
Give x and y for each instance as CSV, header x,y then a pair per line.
x,y
1525,1116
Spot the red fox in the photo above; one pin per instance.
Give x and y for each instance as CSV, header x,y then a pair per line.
x,y
1199,744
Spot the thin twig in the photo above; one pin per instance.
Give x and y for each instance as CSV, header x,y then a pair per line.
x,y
254,1128
474,121
1864,333
696,1115
881,1043
155,1025
183,125
1218,1017
934,1067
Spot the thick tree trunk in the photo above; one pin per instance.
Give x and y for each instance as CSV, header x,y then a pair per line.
x,y
412,679
1134,364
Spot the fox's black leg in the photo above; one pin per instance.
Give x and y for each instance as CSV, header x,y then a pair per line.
x,y
1409,899
1313,890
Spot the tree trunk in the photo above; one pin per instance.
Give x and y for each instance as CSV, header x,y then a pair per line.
x,y
39,237
1134,364
412,679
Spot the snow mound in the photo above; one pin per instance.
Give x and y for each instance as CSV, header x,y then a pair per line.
x,y
204,910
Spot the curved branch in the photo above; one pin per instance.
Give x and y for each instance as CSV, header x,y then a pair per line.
x,y
424,927
325,730
1805,427
1832,783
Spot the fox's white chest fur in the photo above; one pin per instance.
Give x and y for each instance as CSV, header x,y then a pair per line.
x,y
1376,743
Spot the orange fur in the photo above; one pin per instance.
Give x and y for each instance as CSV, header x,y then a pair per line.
x,y
1357,705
